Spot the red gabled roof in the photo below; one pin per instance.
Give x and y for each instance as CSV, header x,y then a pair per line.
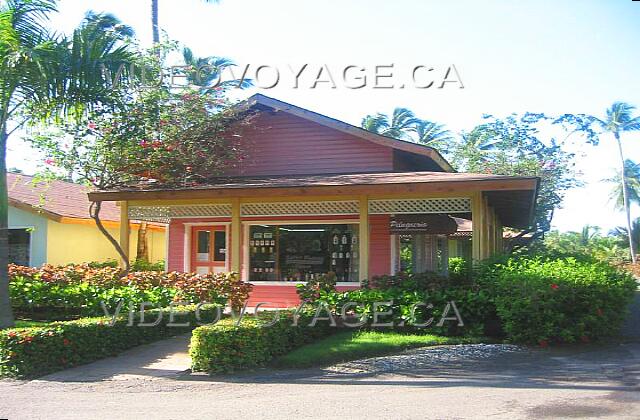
x,y
55,198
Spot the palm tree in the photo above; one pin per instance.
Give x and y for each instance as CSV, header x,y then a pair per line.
x,y
432,134
399,126
55,77
155,28
623,233
632,175
619,119
205,72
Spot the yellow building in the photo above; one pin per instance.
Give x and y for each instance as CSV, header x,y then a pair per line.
x,y
49,223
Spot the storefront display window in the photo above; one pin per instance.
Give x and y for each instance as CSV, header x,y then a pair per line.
x,y
303,252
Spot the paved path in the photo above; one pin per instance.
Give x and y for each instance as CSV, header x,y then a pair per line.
x,y
151,382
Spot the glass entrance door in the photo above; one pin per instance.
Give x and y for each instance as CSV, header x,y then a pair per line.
x,y
208,249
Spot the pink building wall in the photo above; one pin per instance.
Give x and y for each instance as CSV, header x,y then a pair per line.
x,y
283,144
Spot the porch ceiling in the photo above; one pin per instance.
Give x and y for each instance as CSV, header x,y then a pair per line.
x,y
512,197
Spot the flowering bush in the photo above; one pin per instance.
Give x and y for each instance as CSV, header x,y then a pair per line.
x,y
36,351
545,300
538,300
80,289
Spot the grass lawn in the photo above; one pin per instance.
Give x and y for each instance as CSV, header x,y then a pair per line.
x,y
25,324
352,345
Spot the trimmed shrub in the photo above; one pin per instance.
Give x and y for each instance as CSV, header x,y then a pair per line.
x,y
36,351
543,300
79,289
226,347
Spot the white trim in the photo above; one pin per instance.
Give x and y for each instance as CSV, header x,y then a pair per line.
x,y
245,243
186,251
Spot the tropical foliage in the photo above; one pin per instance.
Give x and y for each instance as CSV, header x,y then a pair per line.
x,y
48,76
545,300
618,120
632,181
515,146
404,125
79,290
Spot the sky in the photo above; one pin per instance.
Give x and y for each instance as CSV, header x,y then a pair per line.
x,y
551,56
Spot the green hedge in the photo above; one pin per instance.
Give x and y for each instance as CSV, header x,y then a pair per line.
x,y
225,346
543,300
36,351
55,292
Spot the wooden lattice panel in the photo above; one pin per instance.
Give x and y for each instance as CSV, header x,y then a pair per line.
x,y
428,205
300,208
163,214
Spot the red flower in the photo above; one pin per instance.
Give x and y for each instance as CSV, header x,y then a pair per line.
x,y
12,334
66,342
554,286
49,161
543,343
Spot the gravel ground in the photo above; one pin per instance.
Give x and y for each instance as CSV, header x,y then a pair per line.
x,y
422,358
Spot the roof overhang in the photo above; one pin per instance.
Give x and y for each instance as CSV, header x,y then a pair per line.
x,y
512,197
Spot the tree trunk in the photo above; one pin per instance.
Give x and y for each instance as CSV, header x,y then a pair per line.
x,y
6,314
142,250
625,201
154,22
94,212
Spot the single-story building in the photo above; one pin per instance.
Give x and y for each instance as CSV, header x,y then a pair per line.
x,y
49,223
318,195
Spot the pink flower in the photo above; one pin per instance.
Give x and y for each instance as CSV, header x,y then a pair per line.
x,y
50,161
91,125
143,143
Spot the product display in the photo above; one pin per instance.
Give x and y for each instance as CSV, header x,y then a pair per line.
x,y
303,252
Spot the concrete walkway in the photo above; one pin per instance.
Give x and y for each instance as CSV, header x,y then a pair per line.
x,y
162,359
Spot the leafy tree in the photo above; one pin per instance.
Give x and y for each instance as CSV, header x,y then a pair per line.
x,y
588,242
632,176
513,146
151,136
47,76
